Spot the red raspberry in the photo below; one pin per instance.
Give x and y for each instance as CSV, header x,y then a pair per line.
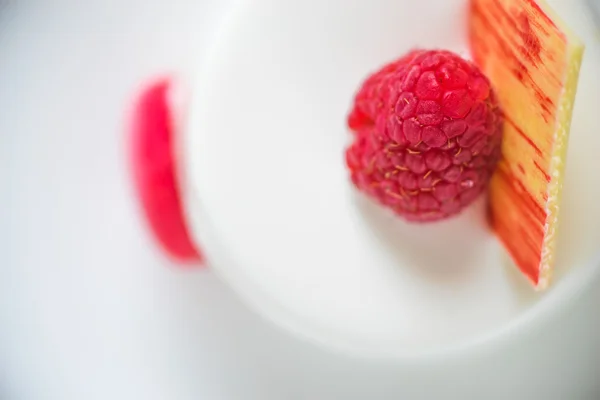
x,y
427,133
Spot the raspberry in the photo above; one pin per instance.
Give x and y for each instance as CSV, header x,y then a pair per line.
x,y
427,134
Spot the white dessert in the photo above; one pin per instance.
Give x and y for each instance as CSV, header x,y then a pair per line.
x,y
271,203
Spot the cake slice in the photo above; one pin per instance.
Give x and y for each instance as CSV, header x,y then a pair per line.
x,y
532,59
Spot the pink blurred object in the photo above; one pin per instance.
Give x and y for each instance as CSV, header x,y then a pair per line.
x,y
152,140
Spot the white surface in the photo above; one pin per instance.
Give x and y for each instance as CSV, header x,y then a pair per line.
x,y
277,214
89,310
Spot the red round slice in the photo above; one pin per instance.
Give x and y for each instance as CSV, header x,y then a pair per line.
x,y
152,139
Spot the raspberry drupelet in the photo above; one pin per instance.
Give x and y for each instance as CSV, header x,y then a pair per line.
x,y
427,131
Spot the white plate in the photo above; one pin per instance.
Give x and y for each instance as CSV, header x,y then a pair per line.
x,y
271,202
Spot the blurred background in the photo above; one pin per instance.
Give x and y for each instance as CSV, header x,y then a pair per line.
x,y
90,309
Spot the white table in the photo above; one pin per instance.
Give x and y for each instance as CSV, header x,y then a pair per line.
x,y
88,307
